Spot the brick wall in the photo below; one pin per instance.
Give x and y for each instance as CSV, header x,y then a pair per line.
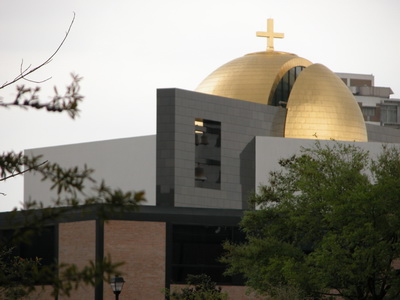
x,y
42,293
142,247
77,245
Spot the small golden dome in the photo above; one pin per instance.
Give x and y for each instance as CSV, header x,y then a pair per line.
x,y
321,106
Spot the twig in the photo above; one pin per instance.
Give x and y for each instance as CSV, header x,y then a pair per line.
x,y
22,172
25,73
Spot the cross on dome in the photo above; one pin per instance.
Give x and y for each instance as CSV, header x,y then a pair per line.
x,y
270,35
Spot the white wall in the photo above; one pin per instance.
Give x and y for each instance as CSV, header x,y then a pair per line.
x,y
269,150
129,164
369,100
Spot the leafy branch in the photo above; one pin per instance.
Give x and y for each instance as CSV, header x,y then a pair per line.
x,y
29,97
69,185
24,73
19,276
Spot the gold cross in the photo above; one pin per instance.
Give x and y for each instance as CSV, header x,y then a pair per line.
x,y
270,35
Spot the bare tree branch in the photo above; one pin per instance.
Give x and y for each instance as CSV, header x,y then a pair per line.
x,y
19,276
27,71
29,97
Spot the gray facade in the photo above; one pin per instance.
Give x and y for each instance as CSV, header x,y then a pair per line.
x,y
128,164
278,148
383,134
240,122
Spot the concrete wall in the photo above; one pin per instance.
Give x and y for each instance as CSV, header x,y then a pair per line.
x,y
269,150
383,134
240,122
129,164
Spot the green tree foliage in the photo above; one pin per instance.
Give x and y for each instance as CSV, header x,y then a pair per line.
x,y
200,287
328,224
20,276
16,274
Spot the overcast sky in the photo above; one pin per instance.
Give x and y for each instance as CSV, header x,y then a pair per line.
x,y
125,50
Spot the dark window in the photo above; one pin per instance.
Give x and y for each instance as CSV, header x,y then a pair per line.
x,y
33,245
284,87
197,249
368,112
389,114
344,80
207,173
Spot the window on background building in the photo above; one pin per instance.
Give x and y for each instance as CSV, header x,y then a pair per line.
x,y
40,245
208,154
368,112
389,114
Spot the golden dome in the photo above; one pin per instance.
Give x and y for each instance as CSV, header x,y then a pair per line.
x,y
319,104
252,77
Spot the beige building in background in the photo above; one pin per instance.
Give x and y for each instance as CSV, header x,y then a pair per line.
x,y
377,106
